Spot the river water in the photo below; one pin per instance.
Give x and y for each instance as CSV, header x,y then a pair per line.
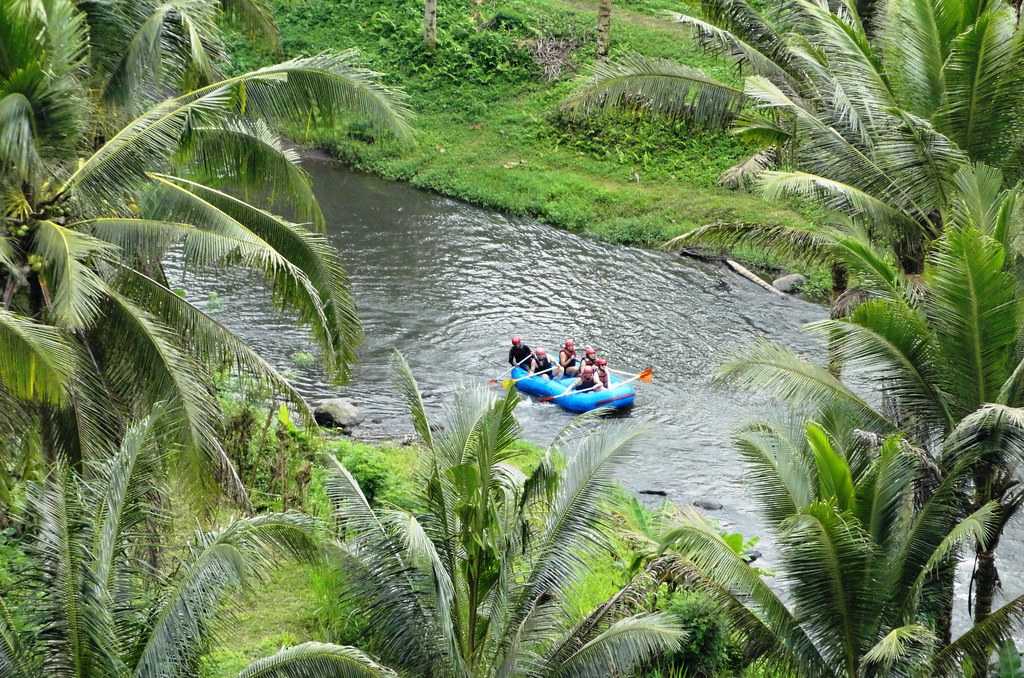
x,y
447,284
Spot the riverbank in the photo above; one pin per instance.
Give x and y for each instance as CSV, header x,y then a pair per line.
x,y
488,127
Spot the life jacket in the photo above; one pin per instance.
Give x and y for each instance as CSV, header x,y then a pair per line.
x,y
585,384
544,365
604,375
589,361
570,359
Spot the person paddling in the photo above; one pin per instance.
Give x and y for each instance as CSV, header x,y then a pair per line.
x,y
587,381
519,353
542,365
567,359
602,372
589,357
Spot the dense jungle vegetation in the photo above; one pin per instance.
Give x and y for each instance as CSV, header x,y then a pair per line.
x,y
168,508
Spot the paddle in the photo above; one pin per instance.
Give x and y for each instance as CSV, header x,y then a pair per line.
x,y
507,383
509,370
645,376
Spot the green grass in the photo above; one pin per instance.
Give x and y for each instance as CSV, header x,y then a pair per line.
x,y
275,613
488,127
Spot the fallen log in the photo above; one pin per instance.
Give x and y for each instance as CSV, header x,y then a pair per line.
x,y
749,275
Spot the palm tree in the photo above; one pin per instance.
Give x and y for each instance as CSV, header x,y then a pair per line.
x,y
860,549
472,585
430,24
91,605
870,107
106,163
604,28
943,349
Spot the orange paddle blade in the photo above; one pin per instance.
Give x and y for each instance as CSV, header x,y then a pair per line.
x,y
647,376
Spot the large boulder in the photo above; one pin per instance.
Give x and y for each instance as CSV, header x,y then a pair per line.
x,y
338,413
789,283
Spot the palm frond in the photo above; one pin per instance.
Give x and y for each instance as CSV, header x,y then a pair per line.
x,y
778,372
36,361
657,85
743,20
18,152
174,38
413,399
747,56
380,579
624,646
186,619
907,648
316,660
983,638
147,364
207,340
78,622
832,195
745,172
122,496
305,272
752,604
794,244
915,38
978,528
247,155
983,83
826,555
255,16
878,273
75,289
778,470
892,343
325,86
972,307
573,525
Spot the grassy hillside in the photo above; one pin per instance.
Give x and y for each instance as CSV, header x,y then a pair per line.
x,y
489,130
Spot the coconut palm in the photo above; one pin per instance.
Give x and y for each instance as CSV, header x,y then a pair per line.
x,y
94,193
91,604
604,28
943,350
860,548
869,107
473,584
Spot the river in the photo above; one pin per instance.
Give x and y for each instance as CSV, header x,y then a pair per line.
x,y
448,284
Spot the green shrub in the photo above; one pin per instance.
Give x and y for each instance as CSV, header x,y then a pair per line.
x,y
708,649
303,359
385,473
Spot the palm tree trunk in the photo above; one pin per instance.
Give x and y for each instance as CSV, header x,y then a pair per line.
x,y
604,27
430,24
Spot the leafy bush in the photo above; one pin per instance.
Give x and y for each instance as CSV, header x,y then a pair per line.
x,y
708,649
384,473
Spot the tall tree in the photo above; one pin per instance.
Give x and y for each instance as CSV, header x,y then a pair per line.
x,y
430,24
104,168
473,584
944,350
868,115
604,28
859,550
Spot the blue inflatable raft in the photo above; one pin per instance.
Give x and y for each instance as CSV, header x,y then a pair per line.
x,y
616,397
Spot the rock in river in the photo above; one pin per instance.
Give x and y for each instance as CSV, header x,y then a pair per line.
x,y
789,283
708,505
338,413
